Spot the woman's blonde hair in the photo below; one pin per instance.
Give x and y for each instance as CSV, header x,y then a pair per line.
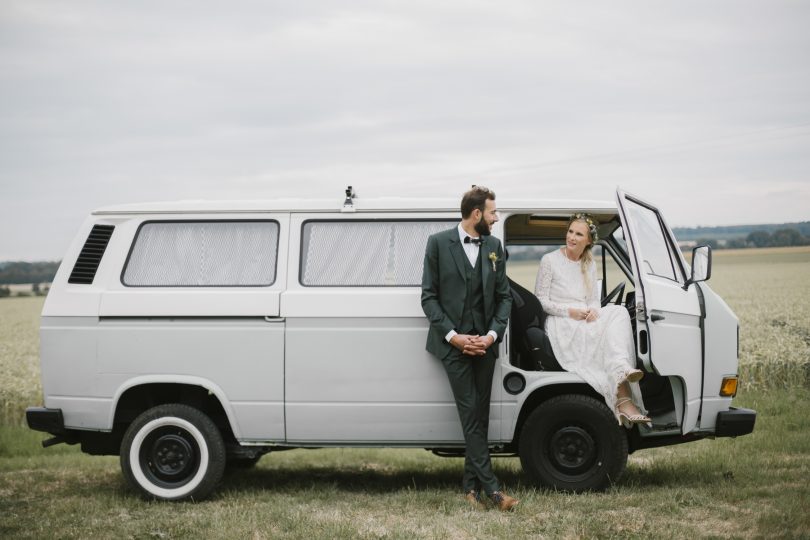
x,y
587,256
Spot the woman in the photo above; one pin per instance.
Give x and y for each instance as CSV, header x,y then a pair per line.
x,y
595,343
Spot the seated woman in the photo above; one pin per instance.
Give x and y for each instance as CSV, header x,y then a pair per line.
x,y
595,343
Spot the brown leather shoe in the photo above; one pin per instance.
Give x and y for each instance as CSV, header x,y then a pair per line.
x,y
503,502
474,500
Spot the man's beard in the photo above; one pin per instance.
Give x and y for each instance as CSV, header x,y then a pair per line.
x,y
482,227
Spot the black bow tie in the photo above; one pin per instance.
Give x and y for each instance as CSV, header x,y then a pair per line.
x,y
477,241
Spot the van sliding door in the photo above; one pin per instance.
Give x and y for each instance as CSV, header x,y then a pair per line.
x,y
356,366
197,302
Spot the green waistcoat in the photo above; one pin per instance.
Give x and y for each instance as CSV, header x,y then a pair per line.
x,y
473,317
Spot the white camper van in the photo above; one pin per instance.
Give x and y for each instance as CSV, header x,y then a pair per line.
x,y
188,336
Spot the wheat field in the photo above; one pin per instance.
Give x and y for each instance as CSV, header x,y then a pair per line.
x,y
19,357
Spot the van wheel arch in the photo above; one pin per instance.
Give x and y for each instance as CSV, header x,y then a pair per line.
x,y
137,399
544,393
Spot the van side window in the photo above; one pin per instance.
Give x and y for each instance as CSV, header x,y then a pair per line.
x,y
658,259
203,254
365,253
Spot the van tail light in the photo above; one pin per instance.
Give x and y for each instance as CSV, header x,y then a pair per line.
x,y
728,388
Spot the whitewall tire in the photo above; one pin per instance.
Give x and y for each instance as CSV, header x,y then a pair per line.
x,y
173,452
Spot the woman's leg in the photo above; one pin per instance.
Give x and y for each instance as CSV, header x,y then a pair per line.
x,y
626,405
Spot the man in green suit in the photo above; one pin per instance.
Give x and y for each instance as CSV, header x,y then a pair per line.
x,y
465,295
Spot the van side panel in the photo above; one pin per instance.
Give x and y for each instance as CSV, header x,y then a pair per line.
x,y
357,371
367,380
86,362
244,357
721,355
69,372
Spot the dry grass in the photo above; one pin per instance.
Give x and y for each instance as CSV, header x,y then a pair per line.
x,y
19,357
798,251
769,290
752,487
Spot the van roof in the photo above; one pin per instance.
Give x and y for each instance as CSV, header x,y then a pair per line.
x,y
382,204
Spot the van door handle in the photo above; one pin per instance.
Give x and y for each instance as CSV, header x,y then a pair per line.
x,y
274,319
657,317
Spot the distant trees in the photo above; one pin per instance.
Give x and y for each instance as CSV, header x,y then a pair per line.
x,y
759,238
746,236
27,272
37,289
39,274
788,237
736,243
779,238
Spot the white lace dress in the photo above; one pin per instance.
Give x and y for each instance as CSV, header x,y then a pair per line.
x,y
602,352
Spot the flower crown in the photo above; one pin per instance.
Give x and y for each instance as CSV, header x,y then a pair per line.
x,y
592,224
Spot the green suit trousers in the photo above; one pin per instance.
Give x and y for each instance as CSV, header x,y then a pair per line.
x,y
471,380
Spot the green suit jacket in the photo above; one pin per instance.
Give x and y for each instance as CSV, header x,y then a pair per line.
x,y
444,288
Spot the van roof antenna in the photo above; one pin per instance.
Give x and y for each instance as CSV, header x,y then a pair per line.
x,y
348,204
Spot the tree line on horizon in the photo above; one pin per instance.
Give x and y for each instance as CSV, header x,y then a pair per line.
x,y
22,273
759,239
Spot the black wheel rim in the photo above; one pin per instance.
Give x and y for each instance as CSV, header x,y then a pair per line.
x,y
169,457
572,451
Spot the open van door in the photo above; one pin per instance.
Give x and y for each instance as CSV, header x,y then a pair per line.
x,y
668,312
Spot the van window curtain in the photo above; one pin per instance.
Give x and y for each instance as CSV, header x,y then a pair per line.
x,y
344,253
365,253
203,254
408,249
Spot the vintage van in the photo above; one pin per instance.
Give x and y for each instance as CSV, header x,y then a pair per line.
x,y
189,336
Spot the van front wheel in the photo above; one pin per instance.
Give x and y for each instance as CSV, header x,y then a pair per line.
x,y
573,443
173,452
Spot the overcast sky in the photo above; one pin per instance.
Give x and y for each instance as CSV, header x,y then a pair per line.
x,y
700,107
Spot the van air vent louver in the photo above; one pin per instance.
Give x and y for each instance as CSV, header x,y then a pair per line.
x,y
86,265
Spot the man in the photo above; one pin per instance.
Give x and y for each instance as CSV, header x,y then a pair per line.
x,y
465,295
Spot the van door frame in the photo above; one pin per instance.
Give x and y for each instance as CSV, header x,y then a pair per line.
x,y
683,333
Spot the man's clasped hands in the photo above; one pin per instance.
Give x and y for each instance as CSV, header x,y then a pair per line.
x,y
472,345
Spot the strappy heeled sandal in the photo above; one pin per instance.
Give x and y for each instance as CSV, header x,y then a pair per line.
x,y
627,420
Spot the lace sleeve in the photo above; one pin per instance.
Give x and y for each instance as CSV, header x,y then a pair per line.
x,y
593,300
542,289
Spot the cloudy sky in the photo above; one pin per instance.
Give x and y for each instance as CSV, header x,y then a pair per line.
x,y
701,107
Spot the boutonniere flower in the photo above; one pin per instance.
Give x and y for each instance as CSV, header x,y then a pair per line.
x,y
494,258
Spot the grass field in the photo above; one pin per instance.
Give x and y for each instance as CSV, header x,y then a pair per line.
x,y
754,486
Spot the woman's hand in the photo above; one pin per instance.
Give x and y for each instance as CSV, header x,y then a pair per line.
x,y
578,314
583,314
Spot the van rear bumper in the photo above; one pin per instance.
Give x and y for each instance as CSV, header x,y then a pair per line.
x,y
735,422
47,420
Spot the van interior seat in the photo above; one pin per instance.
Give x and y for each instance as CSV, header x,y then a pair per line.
x,y
532,346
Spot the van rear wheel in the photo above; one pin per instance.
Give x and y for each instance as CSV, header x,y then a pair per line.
x,y
573,443
173,452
